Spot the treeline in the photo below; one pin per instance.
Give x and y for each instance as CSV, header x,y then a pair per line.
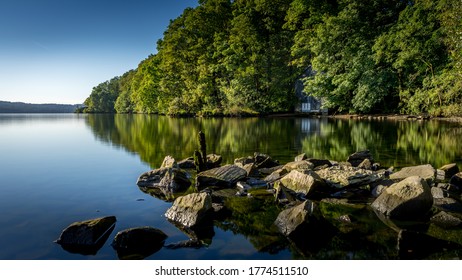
x,y
20,107
244,56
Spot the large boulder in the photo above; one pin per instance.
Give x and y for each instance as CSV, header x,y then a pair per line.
x,y
225,176
426,172
307,182
264,161
138,243
190,209
86,237
296,218
408,199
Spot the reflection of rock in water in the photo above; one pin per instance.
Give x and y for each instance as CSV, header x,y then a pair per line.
x,y
138,243
86,237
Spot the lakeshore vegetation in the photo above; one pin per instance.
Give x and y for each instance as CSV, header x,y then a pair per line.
x,y
238,57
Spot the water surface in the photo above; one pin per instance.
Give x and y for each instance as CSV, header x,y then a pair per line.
x,y
58,169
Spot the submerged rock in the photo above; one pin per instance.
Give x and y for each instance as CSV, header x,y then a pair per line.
x,y
138,243
226,176
190,209
86,237
408,199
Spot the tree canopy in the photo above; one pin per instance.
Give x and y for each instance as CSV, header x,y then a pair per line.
x,y
244,57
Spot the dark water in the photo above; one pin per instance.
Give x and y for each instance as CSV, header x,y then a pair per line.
x,y
58,169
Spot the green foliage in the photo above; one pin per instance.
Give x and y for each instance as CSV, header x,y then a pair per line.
x,y
243,57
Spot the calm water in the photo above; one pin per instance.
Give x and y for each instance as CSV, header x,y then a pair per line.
x,y
57,169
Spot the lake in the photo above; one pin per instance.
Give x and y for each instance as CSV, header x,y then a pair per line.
x,y
58,169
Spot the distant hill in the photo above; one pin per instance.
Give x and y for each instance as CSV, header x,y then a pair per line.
x,y
20,107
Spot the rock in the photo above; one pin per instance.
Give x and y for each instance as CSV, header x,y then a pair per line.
x,y
343,176
437,192
440,175
449,170
268,171
256,182
213,160
426,172
243,161
226,176
174,180
365,164
380,186
169,162
276,175
303,182
408,199
300,157
319,162
299,165
86,232
221,195
445,220
251,170
357,158
264,161
295,218
456,181
138,243
187,163
284,195
190,209
448,204
151,178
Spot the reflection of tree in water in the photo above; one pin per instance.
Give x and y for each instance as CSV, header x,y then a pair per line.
x,y
153,137
392,143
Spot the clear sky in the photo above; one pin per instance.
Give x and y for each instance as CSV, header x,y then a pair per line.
x,y
56,51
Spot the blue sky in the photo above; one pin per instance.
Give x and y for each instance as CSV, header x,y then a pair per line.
x,y
56,51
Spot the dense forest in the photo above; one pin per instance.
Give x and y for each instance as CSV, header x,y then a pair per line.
x,y
20,107
244,57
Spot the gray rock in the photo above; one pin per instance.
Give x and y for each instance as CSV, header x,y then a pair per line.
x,y
449,170
300,157
426,172
448,204
169,162
243,161
303,182
138,243
407,199
175,180
456,181
187,163
86,233
276,175
151,178
264,161
214,160
365,164
299,165
357,158
289,220
343,176
190,209
226,176
319,162
445,220
437,192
